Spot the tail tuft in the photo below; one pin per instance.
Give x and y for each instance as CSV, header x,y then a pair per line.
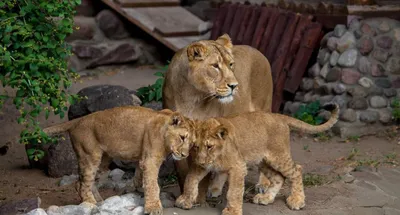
x,y
330,106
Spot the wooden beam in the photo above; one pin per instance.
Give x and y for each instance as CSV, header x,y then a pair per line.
x,y
147,3
373,10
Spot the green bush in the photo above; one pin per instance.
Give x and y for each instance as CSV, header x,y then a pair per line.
x,y
309,113
153,92
33,61
396,110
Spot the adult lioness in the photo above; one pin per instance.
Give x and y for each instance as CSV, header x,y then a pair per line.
x,y
214,78
228,144
128,133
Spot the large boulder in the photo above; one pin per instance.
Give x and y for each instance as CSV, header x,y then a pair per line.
x,y
20,206
62,158
111,25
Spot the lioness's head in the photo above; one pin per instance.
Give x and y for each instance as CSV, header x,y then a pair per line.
x,y
209,146
211,66
179,136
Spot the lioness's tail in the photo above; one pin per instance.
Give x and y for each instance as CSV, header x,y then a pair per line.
x,y
312,129
61,127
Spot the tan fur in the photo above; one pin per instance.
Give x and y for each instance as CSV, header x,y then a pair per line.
x,y
128,133
229,144
193,84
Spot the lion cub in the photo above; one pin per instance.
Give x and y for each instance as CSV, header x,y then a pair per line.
x,y
128,133
226,145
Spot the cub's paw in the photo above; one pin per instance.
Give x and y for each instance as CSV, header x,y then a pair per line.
x,y
214,192
263,199
231,211
153,208
262,187
183,202
296,202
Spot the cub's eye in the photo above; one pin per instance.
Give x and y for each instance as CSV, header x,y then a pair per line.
x,y
231,65
210,147
182,137
215,65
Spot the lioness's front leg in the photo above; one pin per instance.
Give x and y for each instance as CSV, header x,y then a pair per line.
x,y
191,187
235,192
150,168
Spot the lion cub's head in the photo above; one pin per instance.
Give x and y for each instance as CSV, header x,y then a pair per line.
x,y
211,67
179,136
211,142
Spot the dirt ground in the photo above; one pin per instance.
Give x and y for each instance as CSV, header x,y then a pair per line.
x,y
319,156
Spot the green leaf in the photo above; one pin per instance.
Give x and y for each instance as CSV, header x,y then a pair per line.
x,y
62,114
152,94
159,74
21,120
30,151
55,103
34,113
159,95
47,113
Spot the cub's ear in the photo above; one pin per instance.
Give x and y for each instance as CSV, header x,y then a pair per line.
x,y
225,41
176,119
196,51
221,132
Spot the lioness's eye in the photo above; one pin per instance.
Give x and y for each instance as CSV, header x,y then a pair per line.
x,y
182,138
209,147
215,65
231,65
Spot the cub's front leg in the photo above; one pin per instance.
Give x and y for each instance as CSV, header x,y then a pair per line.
x,y
191,187
234,196
150,168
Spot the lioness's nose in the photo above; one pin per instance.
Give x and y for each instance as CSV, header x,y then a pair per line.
x,y
232,86
184,154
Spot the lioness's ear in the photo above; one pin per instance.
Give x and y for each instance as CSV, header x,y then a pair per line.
x,y
225,40
176,119
221,132
196,51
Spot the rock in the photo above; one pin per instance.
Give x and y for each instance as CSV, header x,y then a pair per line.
x,y
85,28
86,8
101,97
154,105
358,91
364,65
334,75
383,82
384,27
347,41
111,25
358,34
167,199
367,29
375,91
323,56
116,174
350,76
369,116
384,42
202,9
396,49
62,158
339,30
294,107
334,58
380,55
128,175
365,82
348,58
286,107
385,116
377,70
88,52
348,178
348,115
378,102
358,103
326,115
37,211
121,204
68,179
299,96
325,70
339,89
325,99
307,84
396,33
393,65
325,38
315,97
332,43
308,97
314,70
341,101
354,24
390,92
81,209
20,206
365,45
396,83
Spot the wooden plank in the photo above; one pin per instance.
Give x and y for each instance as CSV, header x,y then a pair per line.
x,y
235,28
168,21
243,25
268,30
181,42
307,45
229,18
147,3
261,25
329,21
373,10
219,21
249,34
276,37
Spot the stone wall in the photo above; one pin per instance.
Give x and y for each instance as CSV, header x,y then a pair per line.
x,y
358,66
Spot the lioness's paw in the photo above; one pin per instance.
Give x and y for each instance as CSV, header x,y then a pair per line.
x,y
183,202
296,202
153,208
214,192
231,211
263,199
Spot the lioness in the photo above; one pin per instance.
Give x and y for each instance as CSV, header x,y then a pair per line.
x,y
228,144
128,133
214,78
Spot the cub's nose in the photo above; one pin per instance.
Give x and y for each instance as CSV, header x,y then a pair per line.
x,y
232,86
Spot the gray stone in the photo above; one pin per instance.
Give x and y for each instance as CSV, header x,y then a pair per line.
x,y
365,45
390,92
86,8
307,84
365,82
315,97
348,178
334,75
299,96
154,105
350,76
378,102
346,129
121,204
325,38
339,30
358,91
20,206
323,56
380,55
364,65
332,43
339,88
68,179
326,115
37,211
111,25
325,99
396,32
308,97
348,58
354,24
348,115
62,158
358,103
384,27
375,91
393,65
318,83
325,70
167,199
82,209
358,34
369,116
314,70
367,29
286,107
116,174
384,42
334,58
341,101
85,28
383,82
347,41
377,70
294,107
385,116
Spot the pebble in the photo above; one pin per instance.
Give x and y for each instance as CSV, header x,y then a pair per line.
x,y
339,88
116,174
385,116
377,70
393,65
364,65
314,70
384,42
299,96
384,27
369,116
383,82
396,32
365,45
354,24
339,30
37,211
348,115
334,58
332,43
348,58
380,55
323,56
358,91
341,101
334,75
348,178
325,70
307,84
375,91
358,103
350,76
367,29
347,41
396,83
365,82
378,102
68,179
390,92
